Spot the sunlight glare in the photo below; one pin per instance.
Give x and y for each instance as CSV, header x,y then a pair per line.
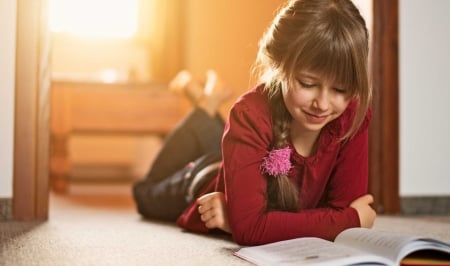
x,y
99,18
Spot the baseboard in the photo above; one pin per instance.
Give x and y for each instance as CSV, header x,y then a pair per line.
x,y
427,205
5,209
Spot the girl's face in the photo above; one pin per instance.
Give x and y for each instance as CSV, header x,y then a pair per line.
x,y
313,102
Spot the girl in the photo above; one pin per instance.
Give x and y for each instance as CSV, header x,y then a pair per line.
x,y
295,148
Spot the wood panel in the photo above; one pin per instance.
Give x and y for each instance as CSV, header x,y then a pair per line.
x,y
112,109
384,130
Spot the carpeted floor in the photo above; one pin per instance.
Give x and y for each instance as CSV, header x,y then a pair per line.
x,y
105,230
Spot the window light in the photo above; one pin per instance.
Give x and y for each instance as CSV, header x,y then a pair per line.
x,y
99,18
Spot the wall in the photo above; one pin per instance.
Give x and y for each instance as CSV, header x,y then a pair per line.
x,y
366,9
7,70
86,59
424,97
224,35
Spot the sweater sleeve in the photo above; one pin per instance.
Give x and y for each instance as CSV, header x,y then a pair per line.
x,y
246,141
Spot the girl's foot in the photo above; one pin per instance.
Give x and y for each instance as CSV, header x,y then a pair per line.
x,y
214,93
183,83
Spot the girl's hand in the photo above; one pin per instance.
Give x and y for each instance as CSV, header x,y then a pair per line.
x,y
365,212
212,211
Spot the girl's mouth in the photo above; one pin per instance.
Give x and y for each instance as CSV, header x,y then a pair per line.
x,y
316,119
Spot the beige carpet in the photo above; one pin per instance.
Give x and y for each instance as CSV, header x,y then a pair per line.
x,y
105,230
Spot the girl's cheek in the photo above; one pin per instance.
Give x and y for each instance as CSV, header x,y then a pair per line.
x,y
300,97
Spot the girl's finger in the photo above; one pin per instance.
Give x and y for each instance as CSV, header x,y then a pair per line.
x,y
205,198
205,207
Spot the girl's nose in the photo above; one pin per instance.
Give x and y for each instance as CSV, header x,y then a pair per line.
x,y
321,101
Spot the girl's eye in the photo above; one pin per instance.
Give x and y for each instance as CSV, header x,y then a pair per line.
x,y
306,84
340,90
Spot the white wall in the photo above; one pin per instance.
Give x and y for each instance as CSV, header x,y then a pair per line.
x,y
424,98
366,9
7,70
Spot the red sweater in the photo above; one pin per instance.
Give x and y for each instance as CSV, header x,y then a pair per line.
x,y
328,181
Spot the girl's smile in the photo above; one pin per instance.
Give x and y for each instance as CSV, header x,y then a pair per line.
x,y
315,119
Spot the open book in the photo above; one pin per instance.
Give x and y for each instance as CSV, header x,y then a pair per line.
x,y
352,246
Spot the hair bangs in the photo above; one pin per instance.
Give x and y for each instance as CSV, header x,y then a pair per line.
x,y
331,56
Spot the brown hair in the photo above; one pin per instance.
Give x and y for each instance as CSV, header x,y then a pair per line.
x,y
327,37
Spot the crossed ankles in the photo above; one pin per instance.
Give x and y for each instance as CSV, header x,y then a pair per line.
x,y
209,98
183,83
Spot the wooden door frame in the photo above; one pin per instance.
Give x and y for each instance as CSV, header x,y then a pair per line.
x,y
31,131
384,130
31,128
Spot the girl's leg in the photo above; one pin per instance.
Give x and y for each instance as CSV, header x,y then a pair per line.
x,y
163,193
198,134
168,198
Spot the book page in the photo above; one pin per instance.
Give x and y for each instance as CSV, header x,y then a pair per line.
x,y
306,251
393,246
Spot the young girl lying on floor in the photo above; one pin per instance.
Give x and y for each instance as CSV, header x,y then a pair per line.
x,y
294,150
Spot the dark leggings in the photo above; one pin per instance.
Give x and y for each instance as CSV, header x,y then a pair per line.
x,y
162,193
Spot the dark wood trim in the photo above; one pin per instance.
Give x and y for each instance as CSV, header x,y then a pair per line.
x,y
30,188
384,131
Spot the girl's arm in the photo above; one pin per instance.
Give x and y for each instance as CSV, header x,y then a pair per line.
x,y
366,213
349,182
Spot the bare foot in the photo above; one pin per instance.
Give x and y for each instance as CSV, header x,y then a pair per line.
x,y
214,93
183,83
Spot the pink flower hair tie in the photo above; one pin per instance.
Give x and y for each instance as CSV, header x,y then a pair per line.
x,y
277,162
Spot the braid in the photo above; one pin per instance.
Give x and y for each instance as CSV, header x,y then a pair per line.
x,y
281,193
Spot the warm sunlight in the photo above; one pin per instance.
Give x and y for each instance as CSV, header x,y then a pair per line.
x,y
99,18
